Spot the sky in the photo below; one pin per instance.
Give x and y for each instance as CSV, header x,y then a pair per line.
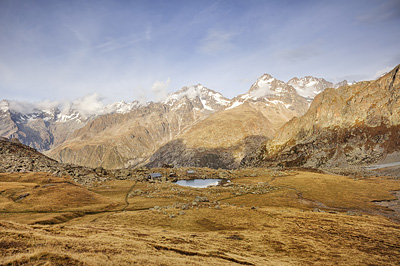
x,y
142,50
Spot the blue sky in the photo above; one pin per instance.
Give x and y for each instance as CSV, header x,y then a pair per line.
x,y
141,50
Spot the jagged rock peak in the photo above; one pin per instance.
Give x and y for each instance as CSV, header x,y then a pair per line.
x,y
208,97
309,86
121,107
264,86
350,125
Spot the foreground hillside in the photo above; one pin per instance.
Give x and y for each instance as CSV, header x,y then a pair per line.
x,y
262,217
351,125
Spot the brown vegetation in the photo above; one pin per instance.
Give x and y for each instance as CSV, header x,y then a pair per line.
x,y
261,218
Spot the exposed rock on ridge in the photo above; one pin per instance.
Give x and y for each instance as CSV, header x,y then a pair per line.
x,y
43,127
124,140
351,125
309,86
224,138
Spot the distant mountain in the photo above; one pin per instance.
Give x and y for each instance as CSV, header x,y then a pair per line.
x,y
309,87
222,139
350,125
202,98
46,127
200,121
126,140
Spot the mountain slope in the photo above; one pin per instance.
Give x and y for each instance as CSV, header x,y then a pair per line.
x,y
219,141
224,138
351,125
46,125
123,140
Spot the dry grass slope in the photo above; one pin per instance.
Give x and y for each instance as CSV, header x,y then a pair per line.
x,y
261,218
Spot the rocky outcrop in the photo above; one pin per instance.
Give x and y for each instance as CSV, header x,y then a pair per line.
x,y
128,140
351,125
16,157
222,139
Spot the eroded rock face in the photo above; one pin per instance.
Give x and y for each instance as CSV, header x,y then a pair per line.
x,y
126,140
351,125
222,139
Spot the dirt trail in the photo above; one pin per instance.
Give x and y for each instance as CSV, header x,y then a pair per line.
x,y
127,196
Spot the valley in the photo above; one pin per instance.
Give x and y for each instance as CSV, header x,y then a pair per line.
x,y
169,133
262,217
308,184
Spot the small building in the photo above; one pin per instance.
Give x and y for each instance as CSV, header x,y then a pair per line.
x,y
154,177
191,173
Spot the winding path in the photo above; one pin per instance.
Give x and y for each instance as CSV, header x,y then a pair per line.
x,y
127,196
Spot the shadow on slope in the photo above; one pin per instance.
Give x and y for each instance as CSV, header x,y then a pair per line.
x,y
176,152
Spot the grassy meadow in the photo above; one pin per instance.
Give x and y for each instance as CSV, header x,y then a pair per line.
x,y
261,217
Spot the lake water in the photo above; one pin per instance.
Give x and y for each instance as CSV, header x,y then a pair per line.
x,y
199,183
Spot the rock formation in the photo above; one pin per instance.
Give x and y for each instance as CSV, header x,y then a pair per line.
x,y
224,138
352,125
126,140
200,121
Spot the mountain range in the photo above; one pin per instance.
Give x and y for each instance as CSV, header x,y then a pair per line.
x,y
194,126
349,126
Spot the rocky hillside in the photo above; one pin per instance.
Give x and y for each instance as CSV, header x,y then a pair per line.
x,y
19,158
351,125
119,135
45,125
217,141
124,140
224,138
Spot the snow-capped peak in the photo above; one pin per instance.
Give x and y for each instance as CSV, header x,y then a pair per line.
x,y
265,86
269,91
120,107
209,98
309,86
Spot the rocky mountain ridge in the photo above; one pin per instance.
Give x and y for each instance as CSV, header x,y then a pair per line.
x,y
45,127
210,100
223,138
127,134
125,140
309,87
353,125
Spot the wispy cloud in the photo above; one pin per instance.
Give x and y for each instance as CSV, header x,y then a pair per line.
x,y
91,104
160,89
120,48
216,41
382,72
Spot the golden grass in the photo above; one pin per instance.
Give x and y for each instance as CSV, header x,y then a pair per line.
x,y
280,229
339,191
41,192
